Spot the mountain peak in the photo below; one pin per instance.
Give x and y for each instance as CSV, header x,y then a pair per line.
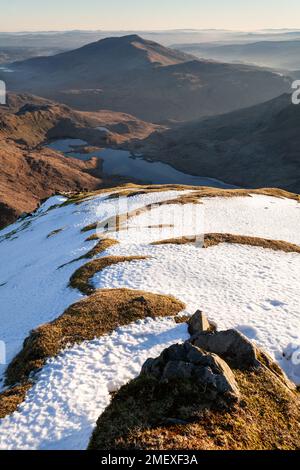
x,y
122,39
132,37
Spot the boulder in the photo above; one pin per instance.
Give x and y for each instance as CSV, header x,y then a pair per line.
x,y
207,371
230,345
152,367
198,323
177,370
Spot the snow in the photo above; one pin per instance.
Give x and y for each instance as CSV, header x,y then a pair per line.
x,y
252,289
249,288
61,410
257,216
103,129
32,288
291,361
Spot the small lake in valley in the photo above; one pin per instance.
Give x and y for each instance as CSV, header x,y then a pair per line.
x,y
123,163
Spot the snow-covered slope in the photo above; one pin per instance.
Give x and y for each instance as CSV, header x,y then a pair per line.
x,y
253,289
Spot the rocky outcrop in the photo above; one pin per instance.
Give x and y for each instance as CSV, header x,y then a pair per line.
x,y
199,323
207,358
187,362
192,399
231,345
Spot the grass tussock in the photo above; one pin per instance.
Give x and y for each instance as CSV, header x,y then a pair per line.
x,y
151,416
214,239
92,317
102,245
54,232
81,278
12,398
90,227
92,238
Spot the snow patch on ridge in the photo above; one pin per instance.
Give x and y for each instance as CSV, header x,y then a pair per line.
x,y
73,389
249,288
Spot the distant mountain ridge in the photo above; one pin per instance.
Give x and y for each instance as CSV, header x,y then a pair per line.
x,y
143,78
277,54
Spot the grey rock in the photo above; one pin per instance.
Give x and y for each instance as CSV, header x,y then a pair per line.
x,y
176,352
177,370
153,367
226,382
231,345
198,323
206,370
194,354
205,376
147,366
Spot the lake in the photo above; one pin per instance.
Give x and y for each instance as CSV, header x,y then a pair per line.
x,y
6,70
123,163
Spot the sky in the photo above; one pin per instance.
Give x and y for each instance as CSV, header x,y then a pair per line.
x,y
39,15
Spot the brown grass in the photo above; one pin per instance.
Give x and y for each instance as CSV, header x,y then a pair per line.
x,y
213,239
140,415
12,398
201,192
196,196
54,232
130,190
126,189
92,237
92,317
81,278
101,246
90,227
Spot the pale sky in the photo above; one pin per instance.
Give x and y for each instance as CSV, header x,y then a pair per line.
x,y
39,15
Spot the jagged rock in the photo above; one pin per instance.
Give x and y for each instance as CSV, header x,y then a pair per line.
x,y
174,353
230,345
177,370
198,323
152,367
187,362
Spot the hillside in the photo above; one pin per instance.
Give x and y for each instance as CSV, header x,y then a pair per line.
x,y
96,295
30,173
143,78
18,53
253,147
33,120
